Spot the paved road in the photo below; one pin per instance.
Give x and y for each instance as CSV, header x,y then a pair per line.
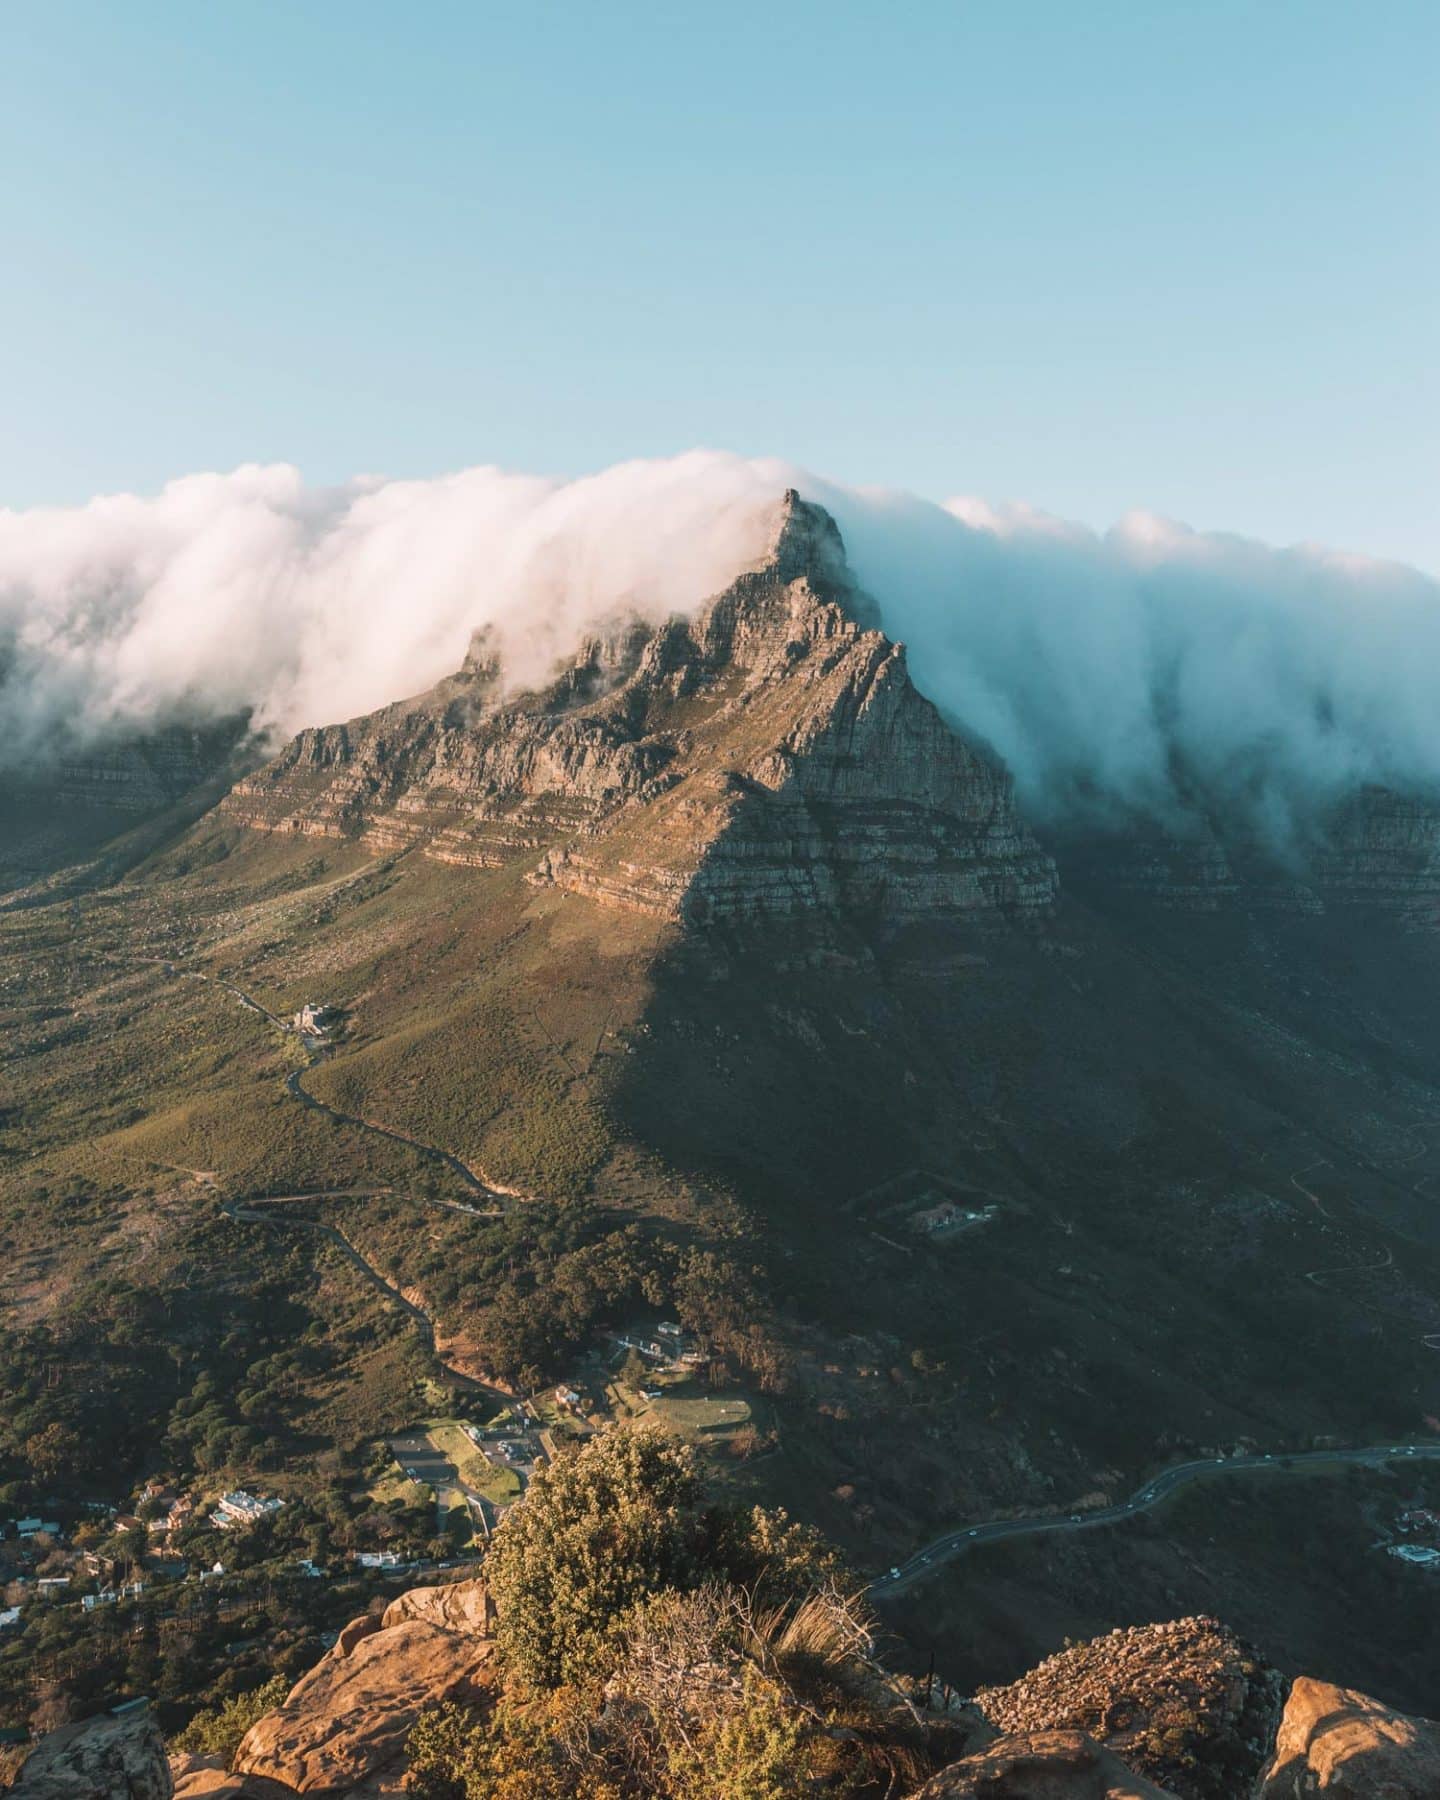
x,y
956,1543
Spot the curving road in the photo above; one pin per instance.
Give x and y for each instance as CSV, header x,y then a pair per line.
x,y
956,1543
294,1086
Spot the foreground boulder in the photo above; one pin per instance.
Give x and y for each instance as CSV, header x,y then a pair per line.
x,y
98,1759
1042,1765
1185,1704
1335,1742
204,1778
344,1725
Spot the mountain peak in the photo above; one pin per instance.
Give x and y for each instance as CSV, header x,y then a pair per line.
x,y
766,759
805,544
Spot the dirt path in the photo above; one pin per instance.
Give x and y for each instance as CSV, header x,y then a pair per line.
x,y
295,1087
256,1212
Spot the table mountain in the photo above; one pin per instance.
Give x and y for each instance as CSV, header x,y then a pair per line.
x,y
769,757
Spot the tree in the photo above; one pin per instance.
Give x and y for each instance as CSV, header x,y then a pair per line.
x,y
53,1451
596,1534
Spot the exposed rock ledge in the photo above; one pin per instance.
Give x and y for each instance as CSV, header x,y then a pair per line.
x,y
99,1759
343,1726
1342,1745
1041,1765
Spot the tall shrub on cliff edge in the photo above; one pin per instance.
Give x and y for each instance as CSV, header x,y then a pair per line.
x,y
597,1533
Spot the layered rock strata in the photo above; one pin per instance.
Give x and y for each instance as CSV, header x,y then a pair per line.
x,y
1379,850
769,757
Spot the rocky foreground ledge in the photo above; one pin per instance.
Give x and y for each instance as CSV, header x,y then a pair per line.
x,y
1179,1711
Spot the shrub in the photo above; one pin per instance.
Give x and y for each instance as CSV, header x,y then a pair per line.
x,y
218,1731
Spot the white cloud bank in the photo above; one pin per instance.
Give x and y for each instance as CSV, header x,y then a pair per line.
x,y
1095,664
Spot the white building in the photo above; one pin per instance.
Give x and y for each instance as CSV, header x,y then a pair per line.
x,y
1415,1553
240,1509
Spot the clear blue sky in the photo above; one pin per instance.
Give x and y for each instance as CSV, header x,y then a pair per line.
x,y
1172,254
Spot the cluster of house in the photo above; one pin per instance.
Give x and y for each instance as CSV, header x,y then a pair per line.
x,y
111,1596
33,1528
1418,1519
949,1215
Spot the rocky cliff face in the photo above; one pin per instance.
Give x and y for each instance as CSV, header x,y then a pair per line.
x,y
1379,850
1333,1741
768,758
99,1759
136,775
343,1726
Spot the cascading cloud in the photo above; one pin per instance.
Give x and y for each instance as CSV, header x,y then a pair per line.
x,y
1114,672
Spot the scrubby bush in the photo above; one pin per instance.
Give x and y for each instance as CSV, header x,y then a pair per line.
x,y
218,1731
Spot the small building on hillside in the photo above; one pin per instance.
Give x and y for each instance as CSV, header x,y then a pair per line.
x,y
238,1509
313,1020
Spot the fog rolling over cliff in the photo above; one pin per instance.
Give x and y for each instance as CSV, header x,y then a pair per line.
x,y
1151,670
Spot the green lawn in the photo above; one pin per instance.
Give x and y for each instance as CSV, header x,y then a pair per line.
x,y
686,1408
495,1480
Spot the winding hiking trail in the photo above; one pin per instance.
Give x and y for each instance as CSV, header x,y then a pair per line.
x,y
258,1209
296,1088
256,1212
1384,1257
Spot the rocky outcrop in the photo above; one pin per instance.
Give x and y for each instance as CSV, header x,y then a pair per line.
x,y
1382,850
1337,1743
99,1759
343,1726
1185,1704
1041,1765
205,1778
768,758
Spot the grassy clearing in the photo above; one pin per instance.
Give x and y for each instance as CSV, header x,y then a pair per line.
x,y
686,1409
394,1488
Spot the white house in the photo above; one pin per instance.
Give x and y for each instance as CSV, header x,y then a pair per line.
x,y
239,1509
